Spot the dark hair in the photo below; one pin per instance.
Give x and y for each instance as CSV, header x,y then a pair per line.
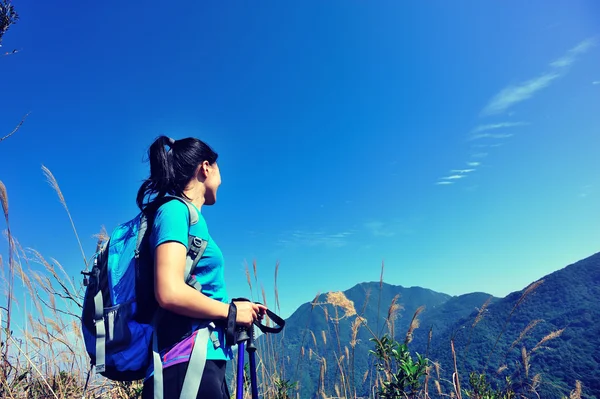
x,y
171,171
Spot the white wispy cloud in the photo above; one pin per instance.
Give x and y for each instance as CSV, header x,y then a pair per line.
x,y
514,94
315,238
517,93
457,174
505,99
493,126
572,54
491,136
390,228
596,82
487,145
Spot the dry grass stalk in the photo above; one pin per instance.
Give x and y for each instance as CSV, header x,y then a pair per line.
x,y
23,276
381,275
4,200
338,299
248,279
455,378
437,367
414,324
32,364
347,351
276,291
323,369
255,271
10,282
102,237
52,324
528,291
426,385
379,297
526,330
482,311
314,302
576,393
501,369
354,330
549,337
54,184
525,359
62,270
392,314
314,338
477,320
535,381
340,361
324,336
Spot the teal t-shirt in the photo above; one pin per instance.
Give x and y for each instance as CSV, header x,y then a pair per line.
x,y
171,224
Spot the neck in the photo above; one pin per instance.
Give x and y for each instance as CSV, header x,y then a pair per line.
x,y
196,194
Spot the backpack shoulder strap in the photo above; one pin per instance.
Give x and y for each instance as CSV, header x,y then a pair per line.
x,y
193,213
196,245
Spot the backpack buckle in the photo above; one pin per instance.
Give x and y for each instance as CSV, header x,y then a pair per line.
x,y
86,281
195,246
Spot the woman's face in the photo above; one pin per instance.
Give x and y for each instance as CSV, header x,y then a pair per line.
x,y
211,183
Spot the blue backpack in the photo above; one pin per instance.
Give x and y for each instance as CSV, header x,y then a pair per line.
x,y
119,308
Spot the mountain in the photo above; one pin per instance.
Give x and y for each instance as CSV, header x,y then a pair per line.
x,y
313,327
564,303
316,341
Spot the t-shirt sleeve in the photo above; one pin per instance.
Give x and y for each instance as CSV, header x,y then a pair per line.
x,y
170,224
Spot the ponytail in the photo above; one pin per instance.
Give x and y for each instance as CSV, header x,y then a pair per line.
x,y
161,171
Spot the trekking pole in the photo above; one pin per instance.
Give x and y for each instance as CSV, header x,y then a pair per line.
x,y
239,336
243,336
251,348
241,341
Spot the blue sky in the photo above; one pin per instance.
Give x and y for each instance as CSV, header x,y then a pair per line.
x,y
456,142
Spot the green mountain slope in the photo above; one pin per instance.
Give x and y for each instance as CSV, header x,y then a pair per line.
x,y
564,302
318,345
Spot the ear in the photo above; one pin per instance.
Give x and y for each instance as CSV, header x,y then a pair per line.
x,y
202,171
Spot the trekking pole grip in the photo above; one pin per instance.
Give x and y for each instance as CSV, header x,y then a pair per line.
x,y
250,347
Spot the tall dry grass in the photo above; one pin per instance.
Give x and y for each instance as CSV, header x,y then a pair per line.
x,y
43,355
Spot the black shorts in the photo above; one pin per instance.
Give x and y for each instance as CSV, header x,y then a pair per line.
x,y
212,385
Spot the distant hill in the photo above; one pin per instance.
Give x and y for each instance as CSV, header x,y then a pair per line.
x,y
314,342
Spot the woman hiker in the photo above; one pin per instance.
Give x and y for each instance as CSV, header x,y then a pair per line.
x,y
188,168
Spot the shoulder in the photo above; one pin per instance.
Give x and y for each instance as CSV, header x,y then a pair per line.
x,y
173,209
171,223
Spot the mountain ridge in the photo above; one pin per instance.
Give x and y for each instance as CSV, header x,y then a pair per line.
x,y
562,301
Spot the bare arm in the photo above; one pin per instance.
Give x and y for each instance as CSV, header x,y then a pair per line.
x,y
173,294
